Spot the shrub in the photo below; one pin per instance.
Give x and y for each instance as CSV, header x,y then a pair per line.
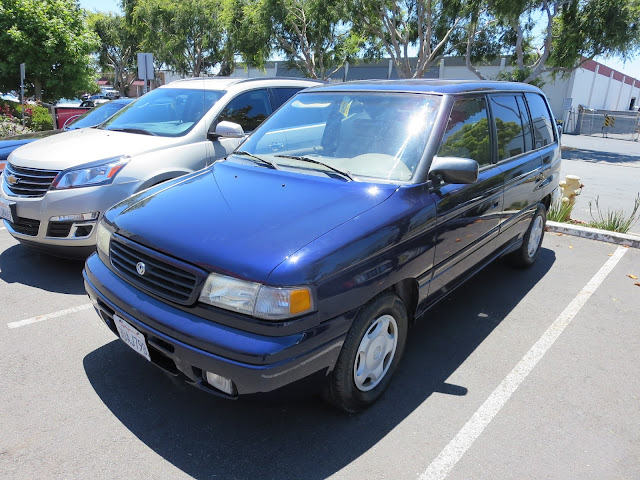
x,y
41,119
614,220
11,126
36,117
560,212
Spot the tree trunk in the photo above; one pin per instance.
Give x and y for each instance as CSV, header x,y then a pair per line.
x,y
38,86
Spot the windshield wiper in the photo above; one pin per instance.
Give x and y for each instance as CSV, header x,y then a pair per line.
x,y
132,130
270,163
318,162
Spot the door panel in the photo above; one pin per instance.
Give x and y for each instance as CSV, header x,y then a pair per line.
x,y
468,215
468,223
521,165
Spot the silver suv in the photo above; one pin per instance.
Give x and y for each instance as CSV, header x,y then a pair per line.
x,y
55,190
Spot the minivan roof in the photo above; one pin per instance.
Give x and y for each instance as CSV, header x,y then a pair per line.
x,y
429,86
222,83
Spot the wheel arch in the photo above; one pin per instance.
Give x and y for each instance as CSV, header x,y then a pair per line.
x,y
407,290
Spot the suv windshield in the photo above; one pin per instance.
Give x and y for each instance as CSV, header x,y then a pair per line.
x,y
95,116
167,112
375,135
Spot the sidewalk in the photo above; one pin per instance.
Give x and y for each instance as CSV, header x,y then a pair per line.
x,y
608,168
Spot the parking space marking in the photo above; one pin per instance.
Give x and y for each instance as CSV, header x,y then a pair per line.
x,y
41,318
463,440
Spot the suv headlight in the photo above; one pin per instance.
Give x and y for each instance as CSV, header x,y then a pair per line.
x,y
90,175
103,238
255,299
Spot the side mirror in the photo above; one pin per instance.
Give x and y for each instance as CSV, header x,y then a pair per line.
x,y
226,129
454,170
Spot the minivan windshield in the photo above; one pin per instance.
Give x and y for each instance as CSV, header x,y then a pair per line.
x,y
167,112
377,135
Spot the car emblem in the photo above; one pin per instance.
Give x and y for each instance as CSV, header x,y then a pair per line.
x,y
141,268
12,179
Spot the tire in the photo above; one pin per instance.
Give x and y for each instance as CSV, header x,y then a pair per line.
x,y
526,255
379,335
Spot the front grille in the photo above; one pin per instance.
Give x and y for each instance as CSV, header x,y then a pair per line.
x,y
163,276
59,229
28,182
25,226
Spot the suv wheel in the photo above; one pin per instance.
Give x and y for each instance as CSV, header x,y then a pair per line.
x,y
370,354
526,255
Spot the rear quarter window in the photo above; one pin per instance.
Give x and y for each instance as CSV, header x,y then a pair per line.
x,y
541,120
281,95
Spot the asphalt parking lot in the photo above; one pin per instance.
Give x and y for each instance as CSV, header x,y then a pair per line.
x,y
519,374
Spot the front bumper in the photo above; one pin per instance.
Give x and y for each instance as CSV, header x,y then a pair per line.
x,y
255,363
33,227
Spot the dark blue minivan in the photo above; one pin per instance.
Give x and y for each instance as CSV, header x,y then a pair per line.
x,y
311,250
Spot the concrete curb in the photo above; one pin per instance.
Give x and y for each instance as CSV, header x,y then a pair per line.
x,y
629,239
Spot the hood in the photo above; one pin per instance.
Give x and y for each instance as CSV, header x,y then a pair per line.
x,y
77,147
243,220
9,144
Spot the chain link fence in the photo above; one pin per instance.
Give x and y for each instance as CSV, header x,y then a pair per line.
x,y
622,125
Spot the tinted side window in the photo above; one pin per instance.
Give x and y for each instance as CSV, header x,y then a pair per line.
x,y
281,95
508,126
526,123
467,133
542,126
248,110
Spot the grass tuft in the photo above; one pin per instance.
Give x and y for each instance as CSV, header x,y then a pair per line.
x,y
560,212
614,220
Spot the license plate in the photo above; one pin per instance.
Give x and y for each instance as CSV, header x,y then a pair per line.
x,y
5,211
132,337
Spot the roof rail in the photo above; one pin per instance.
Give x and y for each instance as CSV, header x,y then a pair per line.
x,y
242,80
235,80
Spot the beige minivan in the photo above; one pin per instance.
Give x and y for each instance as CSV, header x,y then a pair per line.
x,y
54,190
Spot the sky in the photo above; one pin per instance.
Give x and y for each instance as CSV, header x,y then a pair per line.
x,y
631,68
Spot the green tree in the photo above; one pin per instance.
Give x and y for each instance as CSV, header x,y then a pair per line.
x,y
399,26
185,35
118,47
471,141
315,35
247,33
573,31
52,38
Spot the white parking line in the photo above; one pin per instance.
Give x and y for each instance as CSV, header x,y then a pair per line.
x,y
2,228
457,447
41,318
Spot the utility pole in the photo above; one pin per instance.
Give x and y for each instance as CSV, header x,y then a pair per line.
x,y
22,91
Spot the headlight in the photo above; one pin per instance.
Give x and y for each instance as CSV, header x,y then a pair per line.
x,y
255,299
103,238
90,175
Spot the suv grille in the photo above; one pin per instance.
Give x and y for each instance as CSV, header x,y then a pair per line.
x,y
31,182
25,226
163,276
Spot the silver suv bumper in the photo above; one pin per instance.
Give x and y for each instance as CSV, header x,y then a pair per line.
x,y
34,225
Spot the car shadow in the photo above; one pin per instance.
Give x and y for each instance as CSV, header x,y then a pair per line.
x,y
598,156
19,264
206,436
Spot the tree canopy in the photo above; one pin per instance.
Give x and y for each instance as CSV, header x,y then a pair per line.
x,y
314,35
118,47
400,27
544,36
52,38
186,35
